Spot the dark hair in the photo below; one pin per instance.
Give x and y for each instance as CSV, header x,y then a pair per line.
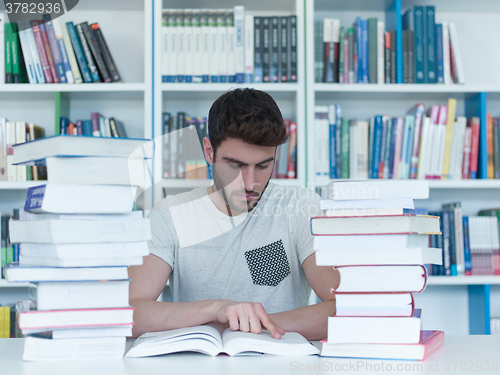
x,y
247,114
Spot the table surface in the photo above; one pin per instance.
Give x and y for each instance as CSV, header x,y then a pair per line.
x,y
459,355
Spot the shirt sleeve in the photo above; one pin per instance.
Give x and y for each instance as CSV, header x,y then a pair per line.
x,y
163,237
308,206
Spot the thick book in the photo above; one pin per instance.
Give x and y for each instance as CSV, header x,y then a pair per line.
x,y
83,231
364,204
292,48
87,53
209,341
15,272
55,48
414,20
27,53
41,51
49,52
94,332
266,49
41,349
96,52
67,54
66,145
274,47
79,53
345,257
430,44
429,343
363,211
106,54
30,318
91,199
369,189
373,330
373,304
61,295
283,49
381,279
121,261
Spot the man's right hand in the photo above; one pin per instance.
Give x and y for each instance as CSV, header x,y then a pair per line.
x,y
246,317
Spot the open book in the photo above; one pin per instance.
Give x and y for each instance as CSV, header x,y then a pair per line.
x,y
208,340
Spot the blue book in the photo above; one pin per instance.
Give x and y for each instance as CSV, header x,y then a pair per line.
x,y
80,56
64,122
392,152
409,146
359,41
56,50
79,127
413,19
86,127
377,145
365,52
430,44
333,141
467,261
338,160
257,69
371,138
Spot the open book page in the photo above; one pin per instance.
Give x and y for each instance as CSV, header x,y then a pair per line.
x,y
246,343
203,339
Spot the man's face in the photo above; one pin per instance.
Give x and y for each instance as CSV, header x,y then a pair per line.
x,y
241,172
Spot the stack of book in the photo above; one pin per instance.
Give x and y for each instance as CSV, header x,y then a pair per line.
x,y
78,234
380,254
46,51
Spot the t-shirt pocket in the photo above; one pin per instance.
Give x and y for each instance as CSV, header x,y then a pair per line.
x,y
268,265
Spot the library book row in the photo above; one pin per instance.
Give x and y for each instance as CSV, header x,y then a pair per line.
x,y
367,53
47,51
183,156
227,45
432,144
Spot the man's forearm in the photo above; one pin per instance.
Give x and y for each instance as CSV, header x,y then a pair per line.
x,y
155,316
310,321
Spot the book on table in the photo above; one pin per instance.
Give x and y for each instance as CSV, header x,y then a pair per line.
x,y
372,241
80,262
374,304
375,189
208,340
331,204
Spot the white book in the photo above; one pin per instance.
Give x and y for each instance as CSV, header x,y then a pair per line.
x,y
93,332
467,149
180,47
188,45
2,49
363,212
64,54
75,70
80,199
384,241
425,148
222,52
104,348
107,127
172,46
28,59
249,48
96,171
377,304
380,52
79,231
208,340
322,137
3,149
62,295
197,47
67,145
353,149
363,132
462,125
214,46
446,55
80,262
30,318
347,257
332,204
374,330
21,138
15,272
85,251
231,47
10,127
458,72
239,47
125,216
165,46
205,46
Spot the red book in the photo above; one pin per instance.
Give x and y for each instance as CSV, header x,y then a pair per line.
x,y
292,152
41,52
48,51
490,146
474,152
96,130
467,151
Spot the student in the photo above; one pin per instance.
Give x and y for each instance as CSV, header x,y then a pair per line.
x,y
239,254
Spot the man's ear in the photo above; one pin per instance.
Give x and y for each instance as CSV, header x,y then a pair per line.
x,y
208,151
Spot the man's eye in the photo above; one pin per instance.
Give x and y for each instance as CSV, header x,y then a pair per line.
x,y
263,166
234,166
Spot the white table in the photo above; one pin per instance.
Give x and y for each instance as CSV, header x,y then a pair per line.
x,y
468,352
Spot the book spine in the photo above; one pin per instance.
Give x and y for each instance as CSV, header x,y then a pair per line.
x,y
48,51
387,155
450,123
345,149
359,51
292,152
377,146
371,143
453,244
181,149
420,51
171,21
393,57
41,51
231,45
96,129
419,115
381,162
8,52
495,147
352,50
365,51
387,50
455,56
439,53
283,42
282,167
411,56
266,49
292,52
165,35
446,54
56,49
467,152
239,29
188,45
198,61
96,52
347,60
405,57
333,140
446,243
338,127
474,153
30,66
398,148
467,260
106,54
15,54
249,48
3,148
353,149
372,50
34,53
430,45
490,146
341,56
181,45
380,51
80,55
88,54
275,43
70,65
223,46
258,40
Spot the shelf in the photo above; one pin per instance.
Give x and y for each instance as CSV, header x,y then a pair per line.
x,y
5,284
19,185
404,88
463,280
79,87
442,184
191,184
221,87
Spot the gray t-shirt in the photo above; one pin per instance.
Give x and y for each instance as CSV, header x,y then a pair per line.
x,y
253,257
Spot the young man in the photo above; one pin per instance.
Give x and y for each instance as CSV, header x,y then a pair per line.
x,y
238,254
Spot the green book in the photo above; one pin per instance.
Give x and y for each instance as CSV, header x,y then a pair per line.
x,y
15,50
372,50
344,148
61,110
8,53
